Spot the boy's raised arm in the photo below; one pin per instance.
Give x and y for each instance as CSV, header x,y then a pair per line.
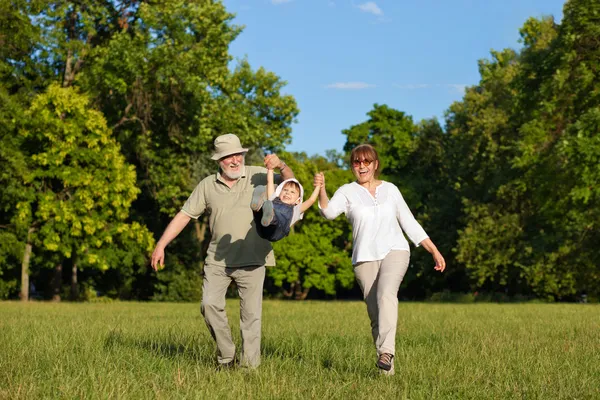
x,y
270,183
311,200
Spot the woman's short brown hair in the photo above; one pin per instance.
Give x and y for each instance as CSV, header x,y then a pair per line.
x,y
365,152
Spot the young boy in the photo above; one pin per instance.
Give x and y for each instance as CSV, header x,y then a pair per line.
x,y
276,210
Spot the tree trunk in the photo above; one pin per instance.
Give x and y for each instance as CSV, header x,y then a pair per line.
x,y
69,72
74,284
57,283
304,294
289,293
24,295
296,291
301,292
68,75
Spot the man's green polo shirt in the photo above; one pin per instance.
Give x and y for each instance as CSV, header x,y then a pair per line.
x,y
234,241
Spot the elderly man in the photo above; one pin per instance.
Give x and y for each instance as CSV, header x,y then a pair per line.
x,y
236,252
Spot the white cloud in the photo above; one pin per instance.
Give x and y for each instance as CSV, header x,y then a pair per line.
x,y
455,87
371,7
414,86
349,85
277,2
458,87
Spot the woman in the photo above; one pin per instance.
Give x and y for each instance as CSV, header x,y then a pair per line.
x,y
379,216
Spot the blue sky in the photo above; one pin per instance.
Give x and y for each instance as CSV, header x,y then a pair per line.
x,y
340,57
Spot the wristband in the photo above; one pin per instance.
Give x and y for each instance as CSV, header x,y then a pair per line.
x,y
283,166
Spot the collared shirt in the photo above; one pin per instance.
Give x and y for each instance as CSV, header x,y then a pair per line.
x,y
377,222
234,241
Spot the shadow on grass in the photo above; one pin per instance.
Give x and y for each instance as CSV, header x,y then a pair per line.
x,y
346,354
332,353
168,347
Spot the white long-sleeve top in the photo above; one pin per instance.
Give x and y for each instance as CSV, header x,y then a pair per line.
x,y
377,222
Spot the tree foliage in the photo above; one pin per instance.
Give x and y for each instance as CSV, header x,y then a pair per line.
x,y
533,223
108,112
78,186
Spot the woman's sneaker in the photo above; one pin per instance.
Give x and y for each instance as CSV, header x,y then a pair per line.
x,y
386,364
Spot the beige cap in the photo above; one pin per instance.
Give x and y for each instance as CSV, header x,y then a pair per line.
x,y
226,145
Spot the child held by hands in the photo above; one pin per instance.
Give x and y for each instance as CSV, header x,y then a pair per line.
x,y
277,209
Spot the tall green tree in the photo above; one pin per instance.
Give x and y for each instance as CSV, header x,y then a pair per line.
x,y
21,74
78,187
530,226
164,82
160,73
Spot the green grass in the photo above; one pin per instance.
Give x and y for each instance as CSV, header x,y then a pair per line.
x,y
316,350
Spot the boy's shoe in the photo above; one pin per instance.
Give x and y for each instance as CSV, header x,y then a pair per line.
x,y
268,213
258,198
386,364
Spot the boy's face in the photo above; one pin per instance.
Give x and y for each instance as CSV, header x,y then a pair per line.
x,y
290,194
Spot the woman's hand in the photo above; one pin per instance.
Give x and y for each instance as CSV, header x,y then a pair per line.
x,y
319,180
440,263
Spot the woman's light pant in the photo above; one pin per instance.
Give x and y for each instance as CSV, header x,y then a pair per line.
x,y
379,281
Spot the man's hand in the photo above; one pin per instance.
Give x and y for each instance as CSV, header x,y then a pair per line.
x,y
272,161
158,258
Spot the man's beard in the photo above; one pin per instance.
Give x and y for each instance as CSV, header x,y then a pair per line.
x,y
234,175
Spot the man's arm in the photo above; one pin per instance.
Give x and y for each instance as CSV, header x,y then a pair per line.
x,y
285,171
173,229
311,200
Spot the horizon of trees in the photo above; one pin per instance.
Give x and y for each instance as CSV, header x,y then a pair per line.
x,y
108,112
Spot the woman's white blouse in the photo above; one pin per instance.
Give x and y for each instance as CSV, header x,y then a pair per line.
x,y
377,222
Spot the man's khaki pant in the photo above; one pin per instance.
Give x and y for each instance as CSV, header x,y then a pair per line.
x,y
379,281
249,281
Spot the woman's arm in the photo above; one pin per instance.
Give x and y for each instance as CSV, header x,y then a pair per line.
x,y
440,263
319,181
330,209
409,224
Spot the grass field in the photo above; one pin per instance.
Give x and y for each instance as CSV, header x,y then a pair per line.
x,y
316,350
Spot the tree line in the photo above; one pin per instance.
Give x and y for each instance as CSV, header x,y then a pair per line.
x,y
108,111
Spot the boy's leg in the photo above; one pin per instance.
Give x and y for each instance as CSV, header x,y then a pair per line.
x,y
258,197
268,217
281,221
215,284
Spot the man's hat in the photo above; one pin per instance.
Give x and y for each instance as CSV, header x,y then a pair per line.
x,y
226,145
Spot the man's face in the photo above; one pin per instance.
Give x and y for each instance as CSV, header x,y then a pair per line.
x,y
289,194
232,166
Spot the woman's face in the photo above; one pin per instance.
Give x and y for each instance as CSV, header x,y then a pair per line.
x,y
364,169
